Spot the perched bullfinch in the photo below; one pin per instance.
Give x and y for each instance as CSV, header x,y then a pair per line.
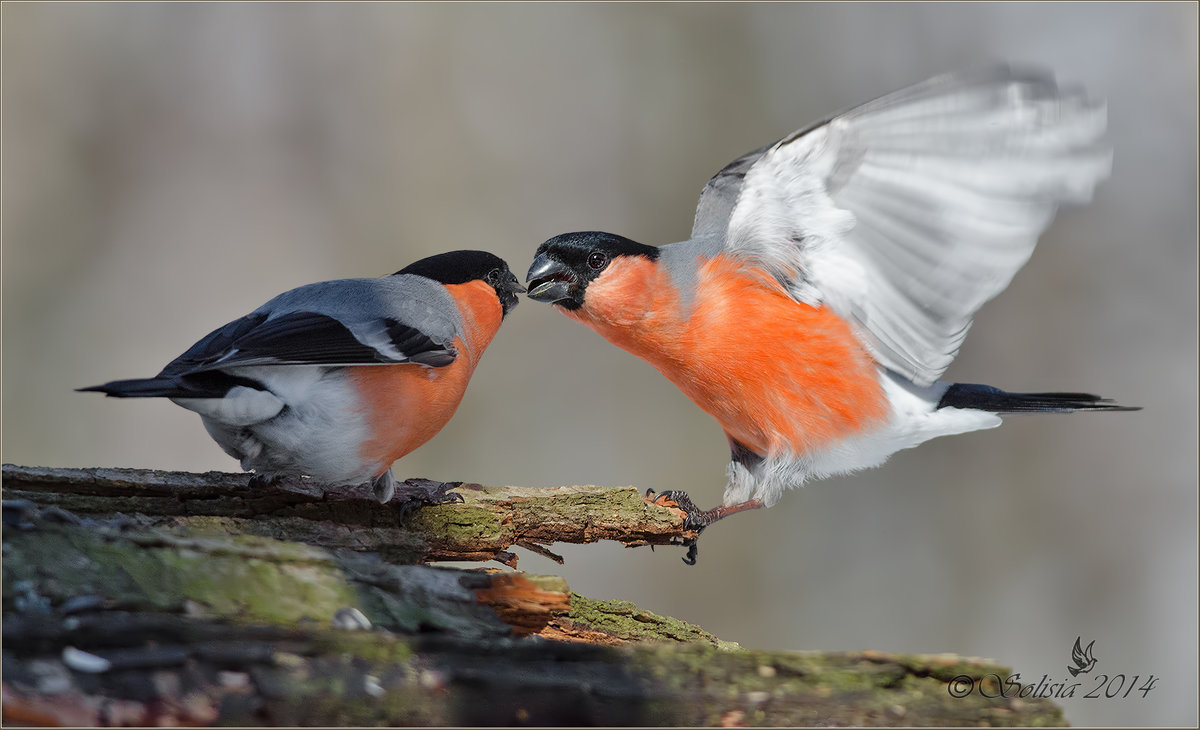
x,y
831,276
336,380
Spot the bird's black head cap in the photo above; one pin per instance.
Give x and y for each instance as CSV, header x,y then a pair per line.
x,y
566,264
460,267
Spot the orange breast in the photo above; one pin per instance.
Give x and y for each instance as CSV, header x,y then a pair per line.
x,y
779,376
406,405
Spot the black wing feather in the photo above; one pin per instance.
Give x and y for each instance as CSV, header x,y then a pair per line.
x,y
418,346
296,337
303,338
213,346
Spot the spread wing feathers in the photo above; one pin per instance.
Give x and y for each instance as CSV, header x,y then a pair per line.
x,y
906,214
309,338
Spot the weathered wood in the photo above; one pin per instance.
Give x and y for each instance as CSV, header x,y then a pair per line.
x,y
159,670
166,617
482,526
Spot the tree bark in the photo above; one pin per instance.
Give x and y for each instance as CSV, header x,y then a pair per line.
x,y
130,599
482,526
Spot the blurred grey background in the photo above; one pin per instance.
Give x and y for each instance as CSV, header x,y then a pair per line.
x,y
168,168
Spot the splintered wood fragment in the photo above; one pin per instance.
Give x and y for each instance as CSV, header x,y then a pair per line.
x,y
533,547
481,523
527,603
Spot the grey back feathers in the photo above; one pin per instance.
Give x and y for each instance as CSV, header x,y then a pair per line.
x,y
395,319
374,311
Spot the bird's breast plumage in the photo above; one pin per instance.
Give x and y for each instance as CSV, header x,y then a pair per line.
x,y
406,405
779,375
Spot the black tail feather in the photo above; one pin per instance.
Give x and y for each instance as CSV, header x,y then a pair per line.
x,y
137,388
987,398
205,384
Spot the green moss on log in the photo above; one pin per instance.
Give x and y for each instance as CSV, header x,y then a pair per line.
x,y
246,577
812,688
626,621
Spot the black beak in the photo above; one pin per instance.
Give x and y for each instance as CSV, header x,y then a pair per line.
x,y
508,290
512,285
549,280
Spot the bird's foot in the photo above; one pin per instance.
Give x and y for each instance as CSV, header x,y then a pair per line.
x,y
696,518
693,521
412,494
429,491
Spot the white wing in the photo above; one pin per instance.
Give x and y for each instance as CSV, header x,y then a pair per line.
x,y
906,214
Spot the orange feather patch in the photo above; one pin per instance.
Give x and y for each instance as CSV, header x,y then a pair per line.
x,y
406,405
778,375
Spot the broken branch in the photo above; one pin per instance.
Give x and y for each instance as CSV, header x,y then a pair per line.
x,y
487,521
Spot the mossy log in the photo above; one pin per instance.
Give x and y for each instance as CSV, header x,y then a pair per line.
x,y
482,524
116,617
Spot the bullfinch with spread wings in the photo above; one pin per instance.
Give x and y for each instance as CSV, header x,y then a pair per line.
x,y
831,276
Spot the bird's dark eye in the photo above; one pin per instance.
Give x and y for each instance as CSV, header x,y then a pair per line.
x,y
493,276
597,260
